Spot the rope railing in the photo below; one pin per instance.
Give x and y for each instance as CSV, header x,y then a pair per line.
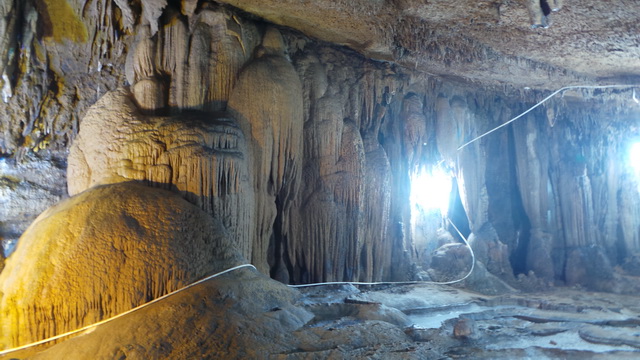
x,y
545,100
102,322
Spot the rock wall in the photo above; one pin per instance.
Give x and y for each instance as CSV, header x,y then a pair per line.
x,y
305,150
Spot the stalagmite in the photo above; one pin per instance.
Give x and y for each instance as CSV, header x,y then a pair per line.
x,y
103,252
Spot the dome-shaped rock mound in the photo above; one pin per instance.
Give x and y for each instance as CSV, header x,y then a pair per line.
x,y
102,252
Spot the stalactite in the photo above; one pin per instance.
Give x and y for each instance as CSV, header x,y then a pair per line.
x,y
415,129
533,179
201,156
376,249
267,102
471,168
203,59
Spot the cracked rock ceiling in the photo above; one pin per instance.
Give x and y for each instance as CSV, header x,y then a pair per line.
x,y
486,41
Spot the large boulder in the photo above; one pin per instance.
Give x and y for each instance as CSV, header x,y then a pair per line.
x,y
102,252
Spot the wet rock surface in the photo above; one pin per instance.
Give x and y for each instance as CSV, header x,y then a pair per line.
x,y
451,323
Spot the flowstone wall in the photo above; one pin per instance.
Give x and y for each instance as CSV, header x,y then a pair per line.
x,y
305,150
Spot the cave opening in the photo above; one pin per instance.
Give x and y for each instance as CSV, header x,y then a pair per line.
x,y
431,190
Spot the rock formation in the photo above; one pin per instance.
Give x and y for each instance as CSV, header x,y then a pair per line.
x,y
268,104
102,252
305,151
202,156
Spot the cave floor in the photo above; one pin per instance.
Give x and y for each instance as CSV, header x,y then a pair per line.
x,y
245,315
446,322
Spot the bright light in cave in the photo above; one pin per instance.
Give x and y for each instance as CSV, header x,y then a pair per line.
x,y
431,190
634,156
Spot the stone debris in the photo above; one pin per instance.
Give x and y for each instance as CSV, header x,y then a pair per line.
x,y
463,329
611,336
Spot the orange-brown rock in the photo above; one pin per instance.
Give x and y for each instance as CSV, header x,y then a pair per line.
x,y
103,252
201,156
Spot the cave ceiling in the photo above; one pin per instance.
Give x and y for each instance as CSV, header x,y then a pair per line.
x,y
491,42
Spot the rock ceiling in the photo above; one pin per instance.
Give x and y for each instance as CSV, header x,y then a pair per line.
x,y
486,41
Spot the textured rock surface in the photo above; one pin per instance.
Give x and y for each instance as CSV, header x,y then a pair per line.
x,y
305,152
533,195
26,190
267,101
201,156
58,58
239,315
486,41
102,252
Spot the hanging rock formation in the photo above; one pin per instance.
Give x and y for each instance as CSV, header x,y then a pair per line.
x,y
103,252
267,102
537,199
202,156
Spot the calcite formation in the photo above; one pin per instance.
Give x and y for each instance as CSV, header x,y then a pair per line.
x,y
201,156
102,252
305,151
267,101
289,134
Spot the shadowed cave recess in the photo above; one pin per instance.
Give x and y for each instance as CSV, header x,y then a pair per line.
x,y
147,144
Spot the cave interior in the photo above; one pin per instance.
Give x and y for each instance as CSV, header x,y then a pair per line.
x,y
395,178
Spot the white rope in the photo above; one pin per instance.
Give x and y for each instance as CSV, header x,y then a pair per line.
x,y
545,100
473,263
4,352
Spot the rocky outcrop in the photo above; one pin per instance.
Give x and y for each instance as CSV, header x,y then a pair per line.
x,y
58,58
103,252
490,42
342,206
202,156
242,314
27,189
